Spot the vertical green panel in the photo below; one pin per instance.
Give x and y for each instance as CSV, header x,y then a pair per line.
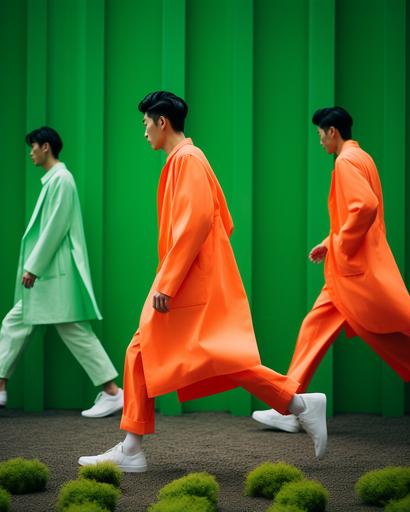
x,y
13,19
65,81
91,119
173,79
36,113
133,48
357,381
370,80
321,94
359,88
209,47
219,44
280,157
173,46
394,164
407,184
241,15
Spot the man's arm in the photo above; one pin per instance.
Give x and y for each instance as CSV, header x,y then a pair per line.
x,y
362,205
56,228
192,217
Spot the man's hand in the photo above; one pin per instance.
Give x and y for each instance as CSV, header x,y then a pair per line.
x,y
318,253
160,302
28,280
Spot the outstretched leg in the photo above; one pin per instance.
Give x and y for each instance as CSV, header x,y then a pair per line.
x,y
318,331
137,420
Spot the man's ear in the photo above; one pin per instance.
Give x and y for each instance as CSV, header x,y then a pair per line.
x,y
45,147
162,122
332,131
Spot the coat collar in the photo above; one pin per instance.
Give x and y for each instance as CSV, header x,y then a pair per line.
x,y
49,174
178,147
44,180
349,144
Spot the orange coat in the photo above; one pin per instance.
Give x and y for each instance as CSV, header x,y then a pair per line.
x,y
208,332
361,274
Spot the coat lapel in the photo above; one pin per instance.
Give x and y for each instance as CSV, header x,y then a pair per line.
x,y
36,209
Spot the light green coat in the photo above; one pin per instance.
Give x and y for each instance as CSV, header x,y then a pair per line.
x,y
54,249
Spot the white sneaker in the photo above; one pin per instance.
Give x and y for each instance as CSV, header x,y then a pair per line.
x,y
127,463
273,419
3,398
105,405
313,420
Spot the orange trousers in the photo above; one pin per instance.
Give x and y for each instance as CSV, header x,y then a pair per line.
x,y
138,416
319,330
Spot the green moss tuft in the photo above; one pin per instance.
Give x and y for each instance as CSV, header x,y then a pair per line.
x,y
5,500
402,505
84,490
309,495
21,476
183,504
86,506
380,486
194,484
267,479
104,472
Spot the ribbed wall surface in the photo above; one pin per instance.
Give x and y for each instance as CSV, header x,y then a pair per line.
x,y
252,72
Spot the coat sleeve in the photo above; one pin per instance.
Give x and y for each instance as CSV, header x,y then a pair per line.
x,y
192,215
361,203
55,229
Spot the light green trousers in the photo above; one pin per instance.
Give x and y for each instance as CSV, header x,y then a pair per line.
x,y
78,336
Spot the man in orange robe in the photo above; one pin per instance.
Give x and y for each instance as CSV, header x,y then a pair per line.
x,y
364,291
195,333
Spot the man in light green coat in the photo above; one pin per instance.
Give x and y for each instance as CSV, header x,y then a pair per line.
x,y
53,279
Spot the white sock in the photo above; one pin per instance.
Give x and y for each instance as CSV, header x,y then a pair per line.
x,y
297,405
131,444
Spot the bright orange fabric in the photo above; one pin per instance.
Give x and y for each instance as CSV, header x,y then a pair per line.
x,y
208,332
321,327
361,274
138,414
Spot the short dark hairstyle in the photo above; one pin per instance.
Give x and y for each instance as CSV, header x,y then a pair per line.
x,y
167,104
43,135
334,116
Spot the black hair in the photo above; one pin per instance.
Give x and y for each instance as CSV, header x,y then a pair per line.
x,y
334,116
167,104
43,135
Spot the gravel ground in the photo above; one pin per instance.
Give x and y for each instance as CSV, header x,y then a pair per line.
x,y
224,445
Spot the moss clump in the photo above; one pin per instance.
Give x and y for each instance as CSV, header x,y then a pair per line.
x,y
309,495
21,476
80,491
104,472
193,484
183,504
402,505
380,486
4,500
86,506
277,507
267,479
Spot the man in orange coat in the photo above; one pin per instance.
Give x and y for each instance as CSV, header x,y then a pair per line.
x,y
364,291
195,333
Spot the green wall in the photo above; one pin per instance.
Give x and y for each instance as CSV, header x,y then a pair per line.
x,y
252,71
